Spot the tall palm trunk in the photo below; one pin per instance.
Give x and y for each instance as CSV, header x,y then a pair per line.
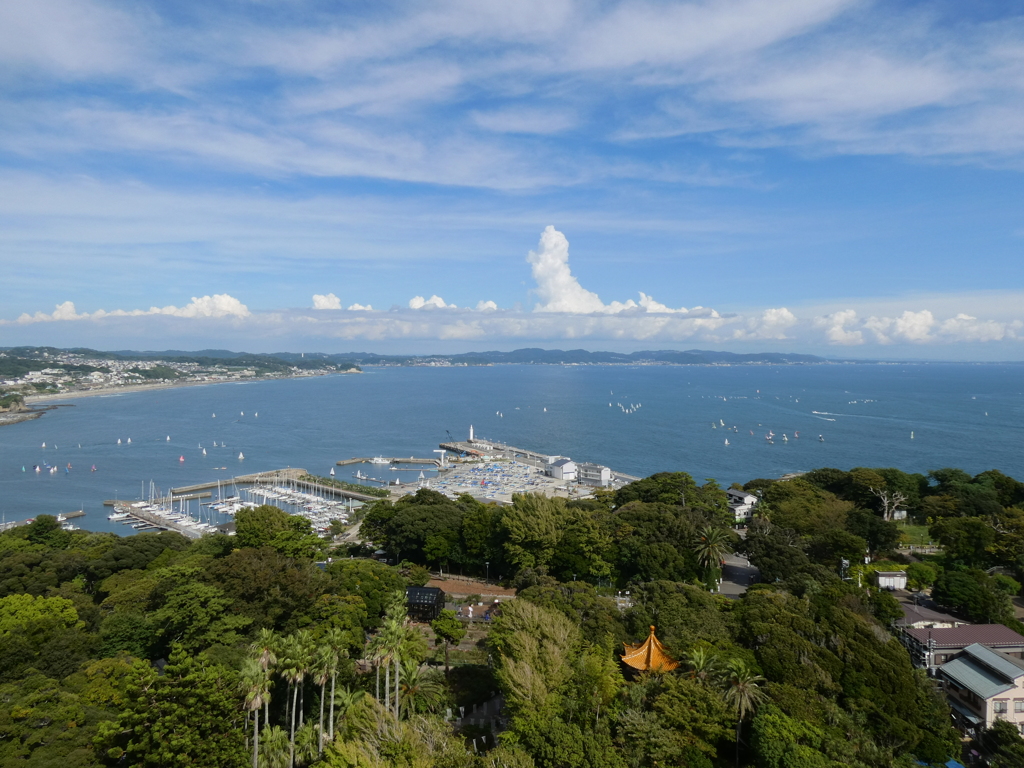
x,y
302,702
396,687
387,686
331,724
256,740
291,754
323,689
378,682
266,713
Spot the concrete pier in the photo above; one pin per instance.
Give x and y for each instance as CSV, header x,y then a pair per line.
x,y
394,460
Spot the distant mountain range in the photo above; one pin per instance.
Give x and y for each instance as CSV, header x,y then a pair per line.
x,y
528,356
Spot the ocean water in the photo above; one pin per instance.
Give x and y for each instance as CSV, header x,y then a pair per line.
x,y
967,416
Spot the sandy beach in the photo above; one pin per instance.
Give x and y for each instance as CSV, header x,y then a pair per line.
x,y
118,390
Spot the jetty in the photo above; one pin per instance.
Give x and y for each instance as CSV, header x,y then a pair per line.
x,y
61,518
384,460
165,500
481,448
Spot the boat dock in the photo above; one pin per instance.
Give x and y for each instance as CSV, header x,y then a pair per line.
x,y
168,500
288,476
145,520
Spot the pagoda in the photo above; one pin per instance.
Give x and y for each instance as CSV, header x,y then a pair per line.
x,y
648,656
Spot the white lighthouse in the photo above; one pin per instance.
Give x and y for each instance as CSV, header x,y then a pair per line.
x,y
471,433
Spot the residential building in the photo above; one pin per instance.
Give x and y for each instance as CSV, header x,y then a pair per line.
x,y
984,685
930,648
922,617
742,505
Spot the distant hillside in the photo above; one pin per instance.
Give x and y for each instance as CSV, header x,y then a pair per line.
x,y
528,356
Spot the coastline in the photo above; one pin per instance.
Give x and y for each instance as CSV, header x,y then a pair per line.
x,y
128,388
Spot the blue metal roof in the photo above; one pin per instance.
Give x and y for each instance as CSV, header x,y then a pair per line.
x,y
969,674
999,662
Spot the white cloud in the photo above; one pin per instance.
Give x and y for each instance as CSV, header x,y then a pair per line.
x,y
486,306
330,301
360,308
434,302
560,291
835,327
216,306
770,324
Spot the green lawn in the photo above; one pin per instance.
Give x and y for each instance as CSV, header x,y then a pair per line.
x,y
915,535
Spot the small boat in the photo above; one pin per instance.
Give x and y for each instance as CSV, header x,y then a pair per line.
x,y
37,468
240,456
204,451
44,444
911,435
93,468
256,415
821,438
119,441
332,471
722,422
380,460
215,415
545,410
23,469
241,413
181,459
214,443
727,441
129,440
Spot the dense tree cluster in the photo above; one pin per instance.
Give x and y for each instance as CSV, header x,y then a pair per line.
x,y
271,649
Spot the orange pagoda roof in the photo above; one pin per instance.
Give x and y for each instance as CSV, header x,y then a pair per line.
x,y
649,656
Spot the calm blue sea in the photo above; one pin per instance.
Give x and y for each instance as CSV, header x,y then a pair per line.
x,y
968,416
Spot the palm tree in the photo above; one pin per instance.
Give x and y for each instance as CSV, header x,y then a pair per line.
x,y
711,547
256,688
743,691
422,689
306,743
703,664
264,650
275,748
292,667
349,702
321,669
335,639
306,651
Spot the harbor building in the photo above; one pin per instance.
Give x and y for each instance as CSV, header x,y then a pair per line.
x,y
593,474
561,469
932,647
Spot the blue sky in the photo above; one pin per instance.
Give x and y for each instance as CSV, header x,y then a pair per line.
x,y
831,176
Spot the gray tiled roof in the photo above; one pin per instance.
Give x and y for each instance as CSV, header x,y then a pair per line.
x,y
961,637
969,674
915,613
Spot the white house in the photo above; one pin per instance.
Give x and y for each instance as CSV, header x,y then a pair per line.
x,y
561,469
742,505
593,474
984,685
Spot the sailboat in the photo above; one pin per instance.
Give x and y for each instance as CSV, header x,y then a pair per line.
x,y
911,435
241,413
93,468
214,443
118,441
240,456
727,441
168,438
215,415
257,415
181,458
332,471
129,440
204,451
44,444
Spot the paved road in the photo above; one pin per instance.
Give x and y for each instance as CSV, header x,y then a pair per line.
x,y
737,575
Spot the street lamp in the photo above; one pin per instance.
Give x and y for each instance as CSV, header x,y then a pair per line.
x,y
488,565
